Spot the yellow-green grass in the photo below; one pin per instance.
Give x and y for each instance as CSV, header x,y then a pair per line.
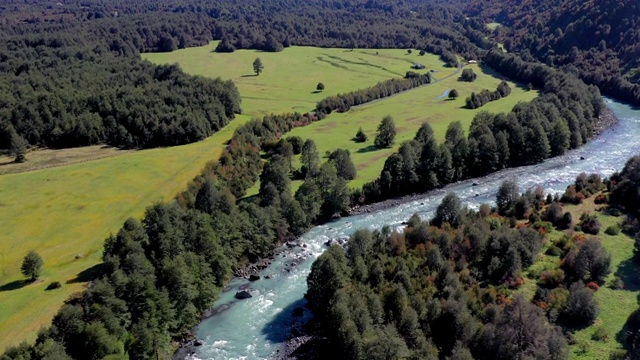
x,y
409,110
288,82
67,212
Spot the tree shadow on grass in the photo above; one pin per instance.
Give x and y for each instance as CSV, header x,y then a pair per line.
x,y
248,75
628,272
15,285
367,149
87,275
316,92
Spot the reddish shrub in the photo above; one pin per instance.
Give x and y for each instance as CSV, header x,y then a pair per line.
x,y
593,286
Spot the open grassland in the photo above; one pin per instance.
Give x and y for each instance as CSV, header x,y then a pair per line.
x,y
65,213
48,158
288,83
409,110
616,305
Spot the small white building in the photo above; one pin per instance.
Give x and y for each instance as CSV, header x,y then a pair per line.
x,y
473,61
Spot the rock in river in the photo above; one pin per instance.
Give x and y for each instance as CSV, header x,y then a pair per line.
x,y
243,294
254,277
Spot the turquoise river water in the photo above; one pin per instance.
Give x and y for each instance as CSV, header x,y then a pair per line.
x,y
255,328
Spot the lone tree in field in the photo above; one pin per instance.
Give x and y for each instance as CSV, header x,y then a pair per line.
x,y
257,66
32,265
320,87
361,136
386,132
18,147
453,94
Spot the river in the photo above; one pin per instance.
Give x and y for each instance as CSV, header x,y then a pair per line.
x,y
255,328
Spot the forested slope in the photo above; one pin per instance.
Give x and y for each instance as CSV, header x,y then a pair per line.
x,y
599,40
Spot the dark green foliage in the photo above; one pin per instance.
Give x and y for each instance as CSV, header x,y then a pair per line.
x,y
591,263
612,230
320,86
448,211
478,100
386,132
54,285
589,224
581,306
468,75
507,196
32,265
258,66
310,158
414,304
296,144
360,136
341,159
344,102
18,147
453,94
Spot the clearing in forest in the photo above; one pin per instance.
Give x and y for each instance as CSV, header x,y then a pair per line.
x,y
289,79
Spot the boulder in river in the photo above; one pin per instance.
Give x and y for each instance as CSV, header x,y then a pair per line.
x,y
243,294
254,277
197,343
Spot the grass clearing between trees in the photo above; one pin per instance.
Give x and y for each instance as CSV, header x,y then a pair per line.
x,y
289,79
68,211
616,305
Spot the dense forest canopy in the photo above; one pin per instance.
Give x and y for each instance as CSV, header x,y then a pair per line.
x,y
597,40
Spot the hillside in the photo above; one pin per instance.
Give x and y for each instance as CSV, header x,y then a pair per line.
x,y
599,40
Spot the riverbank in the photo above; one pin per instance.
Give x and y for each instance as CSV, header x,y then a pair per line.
x,y
291,347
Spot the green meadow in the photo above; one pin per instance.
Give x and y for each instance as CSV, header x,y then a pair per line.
x,y
65,213
288,82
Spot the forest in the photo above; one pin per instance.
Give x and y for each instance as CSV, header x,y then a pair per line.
x,y
596,40
71,76
450,287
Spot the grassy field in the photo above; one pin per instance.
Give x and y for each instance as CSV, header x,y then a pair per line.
x,y
65,213
409,110
615,305
288,83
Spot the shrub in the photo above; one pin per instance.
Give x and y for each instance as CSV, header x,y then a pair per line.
x,y
551,278
601,334
554,251
617,284
554,214
360,136
589,224
54,285
567,220
582,308
612,230
601,199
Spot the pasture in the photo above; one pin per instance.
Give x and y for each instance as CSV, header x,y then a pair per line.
x,y
288,82
65,213
616,305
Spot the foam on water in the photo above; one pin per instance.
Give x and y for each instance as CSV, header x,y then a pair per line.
x,y
254,328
